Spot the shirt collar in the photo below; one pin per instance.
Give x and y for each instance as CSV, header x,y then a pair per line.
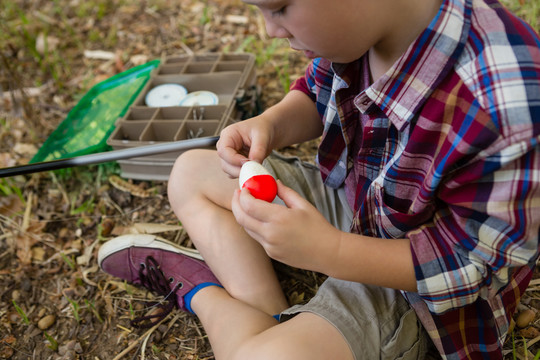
x,y
405,87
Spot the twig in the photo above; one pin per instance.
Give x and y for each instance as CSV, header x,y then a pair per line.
x,y
533,341
143,336
171,323
27,212
143,347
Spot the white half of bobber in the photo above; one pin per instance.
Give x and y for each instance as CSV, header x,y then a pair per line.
x,y
250,169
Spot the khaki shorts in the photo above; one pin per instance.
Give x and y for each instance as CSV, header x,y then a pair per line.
x,y
376,322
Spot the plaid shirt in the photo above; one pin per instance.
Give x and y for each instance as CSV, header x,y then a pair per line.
x,y
444,150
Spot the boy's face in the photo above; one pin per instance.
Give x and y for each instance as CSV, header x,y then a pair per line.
x,y
340,31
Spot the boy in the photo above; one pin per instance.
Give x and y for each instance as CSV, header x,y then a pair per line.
x,y
423,210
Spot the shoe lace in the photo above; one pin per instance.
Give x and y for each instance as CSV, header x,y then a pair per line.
x,y
153,279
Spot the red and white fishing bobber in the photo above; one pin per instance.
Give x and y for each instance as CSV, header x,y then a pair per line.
x,y
259,182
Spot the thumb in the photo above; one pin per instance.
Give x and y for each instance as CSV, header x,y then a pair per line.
x,y
257,153
259,146
290,197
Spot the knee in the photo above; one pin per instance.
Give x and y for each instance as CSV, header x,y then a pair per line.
x,y
185,163
248,352
267,350
182,182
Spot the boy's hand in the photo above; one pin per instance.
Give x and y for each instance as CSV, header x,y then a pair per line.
x,y
247,140
291,121
297,235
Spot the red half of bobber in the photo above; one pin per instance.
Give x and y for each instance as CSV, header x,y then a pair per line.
x,y
262,187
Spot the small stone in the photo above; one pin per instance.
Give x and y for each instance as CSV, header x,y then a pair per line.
x,y
46,322
525,317
67,349
14,317
16,295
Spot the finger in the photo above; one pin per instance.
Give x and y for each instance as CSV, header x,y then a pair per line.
x,y
239,213
231,170
260,210
265,218
242,214
231,160
257,152
232,141
258,146
290,197
231,155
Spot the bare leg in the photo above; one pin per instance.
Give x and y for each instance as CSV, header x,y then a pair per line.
x,y
238,318
202,203
239,331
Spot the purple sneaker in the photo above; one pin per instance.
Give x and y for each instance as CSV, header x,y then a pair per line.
x,y
172,271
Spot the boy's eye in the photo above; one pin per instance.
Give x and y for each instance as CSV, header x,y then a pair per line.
x,y
279,12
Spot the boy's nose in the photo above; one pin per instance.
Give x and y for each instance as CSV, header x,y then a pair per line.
x,y
276,31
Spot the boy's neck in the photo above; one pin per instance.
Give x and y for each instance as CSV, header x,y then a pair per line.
x,y
407,20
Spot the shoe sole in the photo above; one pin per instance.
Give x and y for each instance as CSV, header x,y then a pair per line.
x,y
143,240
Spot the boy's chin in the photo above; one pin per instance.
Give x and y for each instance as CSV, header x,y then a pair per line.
x,y
310,54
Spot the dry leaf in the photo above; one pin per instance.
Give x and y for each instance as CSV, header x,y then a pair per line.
x,y
46,44
530,332
84,259
38,254
24,249
10,205
124,185
6,160
25,240
25,149
138,59
296,298
85,273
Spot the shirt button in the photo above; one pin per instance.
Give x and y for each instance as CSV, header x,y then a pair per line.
x,y
366,102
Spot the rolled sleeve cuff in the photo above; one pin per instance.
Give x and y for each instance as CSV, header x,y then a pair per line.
x,y
445,280
300,84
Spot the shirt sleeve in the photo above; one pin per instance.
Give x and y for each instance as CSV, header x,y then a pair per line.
x,y
300,84
307,82
487,228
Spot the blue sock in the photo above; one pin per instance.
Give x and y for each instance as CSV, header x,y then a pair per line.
x,y
192,292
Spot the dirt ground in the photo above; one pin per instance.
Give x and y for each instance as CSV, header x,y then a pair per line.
x,y
54,301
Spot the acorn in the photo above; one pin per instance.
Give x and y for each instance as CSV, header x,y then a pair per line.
x,y
525,317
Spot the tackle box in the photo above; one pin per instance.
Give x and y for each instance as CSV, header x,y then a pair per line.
x,y
229,77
